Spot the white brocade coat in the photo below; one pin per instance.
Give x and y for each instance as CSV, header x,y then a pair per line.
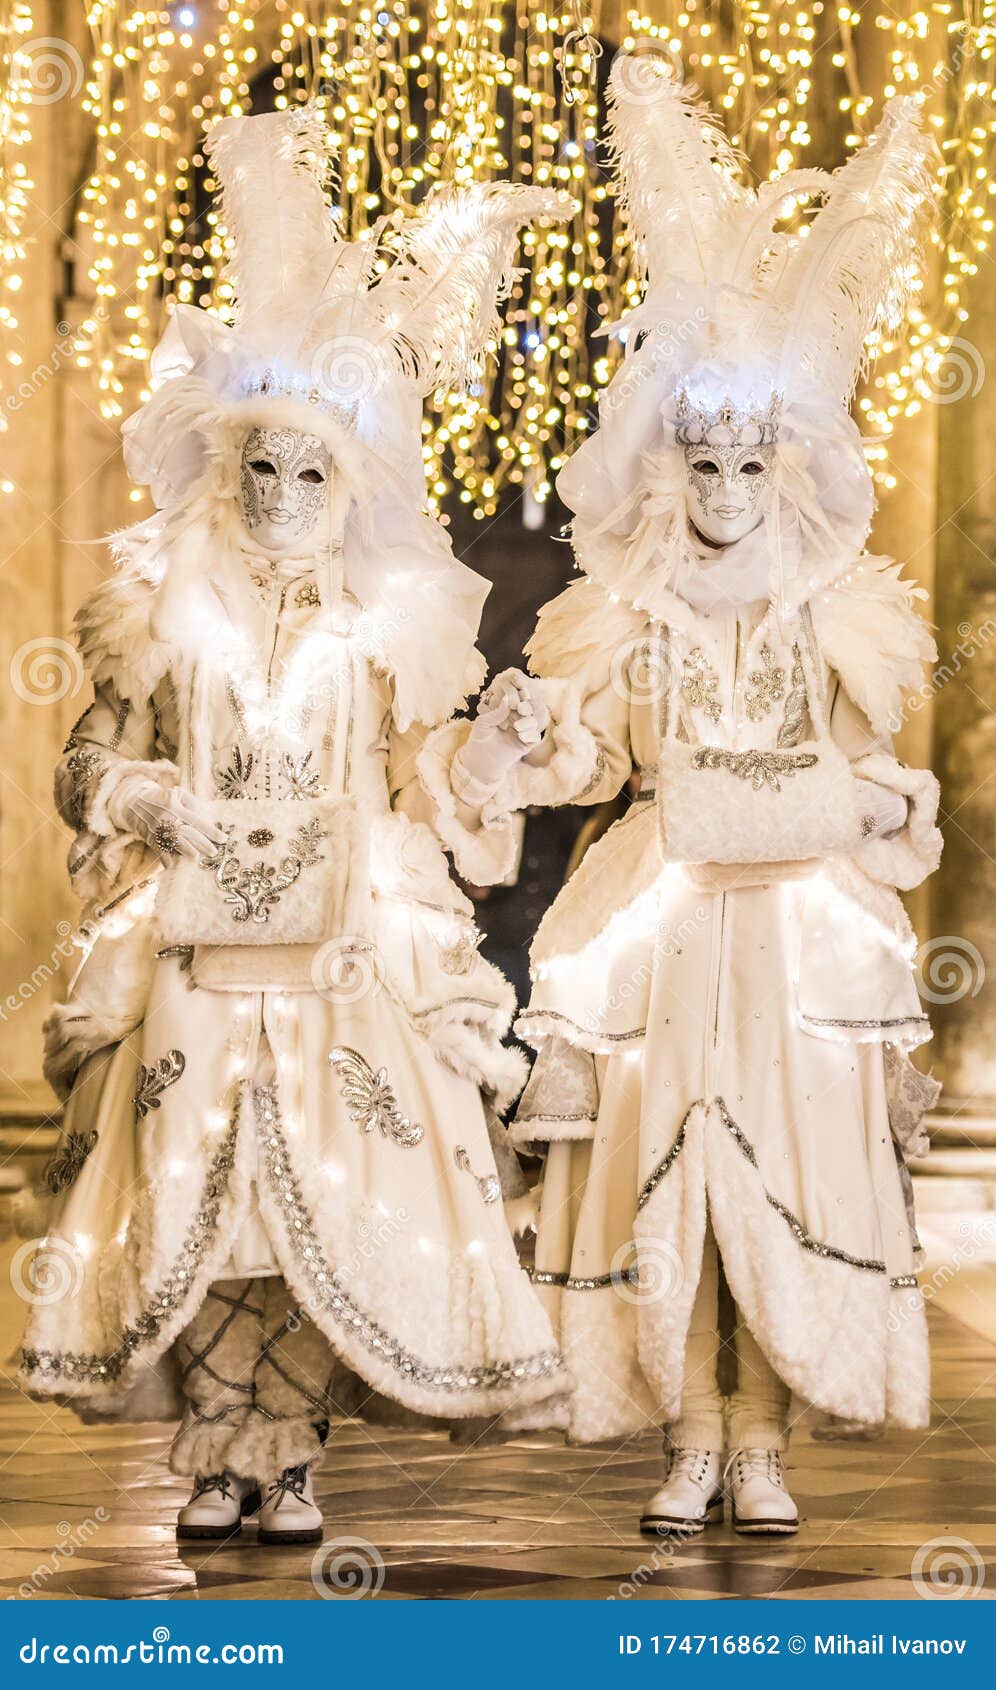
x,y
319,1111
709,1048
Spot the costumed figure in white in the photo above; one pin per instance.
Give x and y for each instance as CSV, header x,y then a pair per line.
x,y
723,1002
283,1049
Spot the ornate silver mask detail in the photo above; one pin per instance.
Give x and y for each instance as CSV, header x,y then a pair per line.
x,y
283,486
729,461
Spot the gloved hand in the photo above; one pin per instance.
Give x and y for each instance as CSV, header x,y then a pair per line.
x,y
172,821
511,721
886,811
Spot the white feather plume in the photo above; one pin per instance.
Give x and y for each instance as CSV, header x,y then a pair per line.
x,y
871,633
437,305
281,241
678,175
857,268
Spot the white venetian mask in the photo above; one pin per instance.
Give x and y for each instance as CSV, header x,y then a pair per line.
x,y
284,484
729,464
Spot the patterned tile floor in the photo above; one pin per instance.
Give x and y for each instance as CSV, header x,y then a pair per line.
x,y
89,1511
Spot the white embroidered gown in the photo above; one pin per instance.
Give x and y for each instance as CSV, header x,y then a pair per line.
x,y
739,1051
325,1119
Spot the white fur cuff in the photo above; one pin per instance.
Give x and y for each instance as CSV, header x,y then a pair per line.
x,y
484,855
907,857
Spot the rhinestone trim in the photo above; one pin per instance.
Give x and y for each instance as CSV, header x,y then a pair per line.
x,y
571,1282
331,1295
793,725
897,1021
664,1167
814,1246
175,1288
761,768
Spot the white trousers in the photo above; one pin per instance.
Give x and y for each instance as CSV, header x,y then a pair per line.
x,y
756,1413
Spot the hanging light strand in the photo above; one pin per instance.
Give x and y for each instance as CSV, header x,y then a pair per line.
x,y
464,90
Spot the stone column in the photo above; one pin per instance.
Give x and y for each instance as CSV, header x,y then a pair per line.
x,y
959,964
40,674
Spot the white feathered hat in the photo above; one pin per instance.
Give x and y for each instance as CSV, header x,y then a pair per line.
x,y
737,309
340,337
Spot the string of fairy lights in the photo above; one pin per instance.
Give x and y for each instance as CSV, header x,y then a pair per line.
x,y
471,90
16,29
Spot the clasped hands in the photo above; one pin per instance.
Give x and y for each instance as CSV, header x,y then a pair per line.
x,y
511,720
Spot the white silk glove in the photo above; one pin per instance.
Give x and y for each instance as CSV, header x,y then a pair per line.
x,y
169,819
882,810
511,721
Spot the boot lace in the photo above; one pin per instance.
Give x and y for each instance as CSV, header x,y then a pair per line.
x,y
207,1482
290,1483
748,1464
690,1464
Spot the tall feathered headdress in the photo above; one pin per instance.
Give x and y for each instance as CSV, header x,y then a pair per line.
x,y
700,232
340,339
749,303
327,333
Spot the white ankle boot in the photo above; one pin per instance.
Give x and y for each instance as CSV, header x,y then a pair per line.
x,y
690,1498
289,1513
218,1504
761,1503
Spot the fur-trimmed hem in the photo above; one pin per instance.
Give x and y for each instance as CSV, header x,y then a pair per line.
x,y
824,1323
100,1384
485,855
202,1446
906,857
382,1360
485,1385
842,1336
536,1025
540,1129
263,1449
908,1033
